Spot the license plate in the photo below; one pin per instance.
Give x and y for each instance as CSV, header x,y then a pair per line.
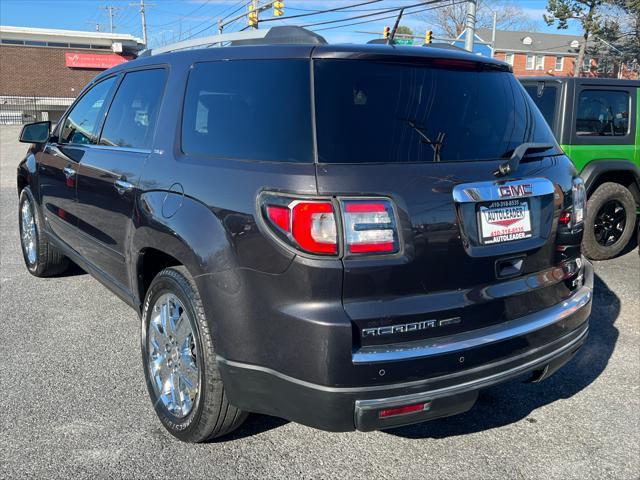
x,y
504,221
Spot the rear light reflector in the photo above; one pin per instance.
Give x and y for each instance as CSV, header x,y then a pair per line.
x,y
392,412
565,218
370,227
280,216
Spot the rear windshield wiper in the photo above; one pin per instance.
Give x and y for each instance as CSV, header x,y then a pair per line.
x,y
518,154
436,146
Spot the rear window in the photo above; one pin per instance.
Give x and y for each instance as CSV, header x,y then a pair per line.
x,y
398,113
249,110
545,98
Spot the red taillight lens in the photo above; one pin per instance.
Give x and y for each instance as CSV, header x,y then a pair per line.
x,y
280,216
392,412
314,227
370,227
565,218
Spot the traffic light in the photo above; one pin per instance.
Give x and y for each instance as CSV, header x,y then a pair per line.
x,y
278,8
428,37
386,32
252,17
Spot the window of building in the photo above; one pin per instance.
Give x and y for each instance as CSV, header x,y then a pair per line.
x,y
132,116
586,64
539,62
80,125
530,62
508,57
7,41
603,113
559,64
58,44
79,45
228,113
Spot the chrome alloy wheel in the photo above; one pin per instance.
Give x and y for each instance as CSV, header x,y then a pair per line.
x,y
28,234
172,356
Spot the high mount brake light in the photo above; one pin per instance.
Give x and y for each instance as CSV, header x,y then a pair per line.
x,y
312,226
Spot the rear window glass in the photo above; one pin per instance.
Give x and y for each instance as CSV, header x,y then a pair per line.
x,y
395,113
603,113
250,110
545,99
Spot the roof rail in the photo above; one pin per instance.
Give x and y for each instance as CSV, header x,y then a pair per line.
x,y
269,36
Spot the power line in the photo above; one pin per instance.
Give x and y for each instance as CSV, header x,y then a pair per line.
x,y
318,12
455,2
390,10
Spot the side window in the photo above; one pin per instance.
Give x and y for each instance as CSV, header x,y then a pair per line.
x,y
603,113
250,110
132,117
545,99
80,124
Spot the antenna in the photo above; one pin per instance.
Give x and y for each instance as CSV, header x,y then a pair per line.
x,y
395,27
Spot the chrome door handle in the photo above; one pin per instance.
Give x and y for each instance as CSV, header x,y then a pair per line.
x,y
122,186
69,172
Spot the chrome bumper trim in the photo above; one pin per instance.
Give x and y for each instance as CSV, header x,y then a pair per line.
x,y
476,384
483,336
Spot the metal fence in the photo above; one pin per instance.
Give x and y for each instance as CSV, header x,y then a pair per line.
x,y
15,110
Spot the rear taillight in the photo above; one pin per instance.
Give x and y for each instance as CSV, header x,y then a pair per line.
x,y
574,215
307,225
369,227
311,225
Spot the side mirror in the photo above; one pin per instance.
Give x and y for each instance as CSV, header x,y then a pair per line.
x,y
37,132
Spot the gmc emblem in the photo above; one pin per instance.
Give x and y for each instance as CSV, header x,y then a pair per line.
x,y
522,190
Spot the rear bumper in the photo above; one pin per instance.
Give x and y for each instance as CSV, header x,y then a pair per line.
x,y
539,343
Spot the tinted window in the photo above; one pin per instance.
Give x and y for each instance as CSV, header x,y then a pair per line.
x,y
545,99
381,112
603,113
254,110
80,124
132,117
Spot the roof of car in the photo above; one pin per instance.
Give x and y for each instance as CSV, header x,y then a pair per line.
x,y
302,51
583,80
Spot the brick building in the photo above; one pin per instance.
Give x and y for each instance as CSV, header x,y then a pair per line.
x,y
536,53
43,70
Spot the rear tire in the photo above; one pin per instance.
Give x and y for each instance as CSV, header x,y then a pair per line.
x,y
199,415
40,256
610,221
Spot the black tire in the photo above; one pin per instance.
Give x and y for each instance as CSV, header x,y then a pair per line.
x,y
48,260
211,415
604,195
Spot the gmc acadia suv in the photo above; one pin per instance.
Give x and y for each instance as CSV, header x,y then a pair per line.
x,y
346,236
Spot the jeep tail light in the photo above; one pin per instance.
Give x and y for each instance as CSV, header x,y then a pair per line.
x,y
370,227
308,225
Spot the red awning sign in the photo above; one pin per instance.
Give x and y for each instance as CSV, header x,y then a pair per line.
x,y
93,60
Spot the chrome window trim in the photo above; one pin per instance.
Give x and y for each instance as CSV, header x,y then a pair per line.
x,y
489,191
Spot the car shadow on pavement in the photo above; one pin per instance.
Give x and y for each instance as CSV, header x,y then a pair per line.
x,y
511,402
253,425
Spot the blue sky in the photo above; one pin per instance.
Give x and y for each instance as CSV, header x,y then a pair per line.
x,y
171,20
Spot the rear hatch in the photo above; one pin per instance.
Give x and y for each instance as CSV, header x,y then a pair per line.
x,y
428,134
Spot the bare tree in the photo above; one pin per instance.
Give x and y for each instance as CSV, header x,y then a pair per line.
x,y
451,19
585,12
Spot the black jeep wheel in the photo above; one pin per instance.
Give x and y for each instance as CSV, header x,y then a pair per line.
x,y
610,221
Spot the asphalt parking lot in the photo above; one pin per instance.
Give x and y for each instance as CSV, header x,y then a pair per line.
x,y
73,401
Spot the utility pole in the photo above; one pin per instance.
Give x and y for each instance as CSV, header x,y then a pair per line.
x,y
471,25
493,34
111,12
143,19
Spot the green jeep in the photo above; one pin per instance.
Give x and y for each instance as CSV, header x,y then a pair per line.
x,y
597,123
